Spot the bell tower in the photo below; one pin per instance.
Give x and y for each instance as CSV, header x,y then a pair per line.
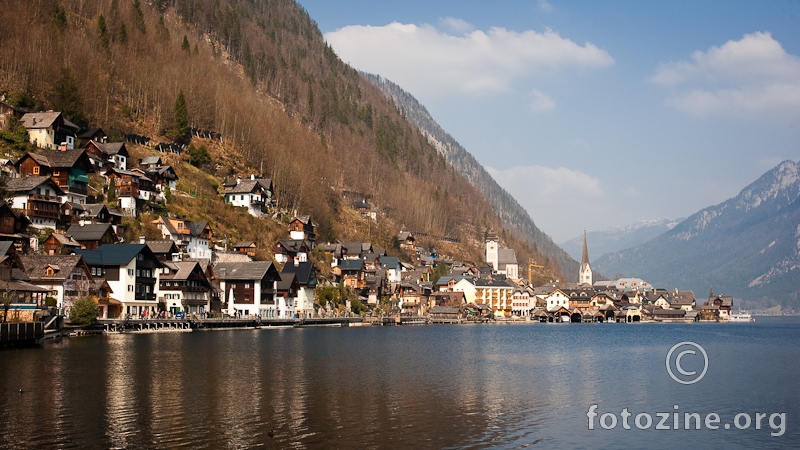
x,y
585,274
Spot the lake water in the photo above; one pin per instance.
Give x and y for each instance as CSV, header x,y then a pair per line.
x,y
437,386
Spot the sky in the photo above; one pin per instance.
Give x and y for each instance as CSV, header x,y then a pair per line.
x,y
593,114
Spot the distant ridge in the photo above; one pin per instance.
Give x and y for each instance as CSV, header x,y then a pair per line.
x,y
615,239
747,246
511,213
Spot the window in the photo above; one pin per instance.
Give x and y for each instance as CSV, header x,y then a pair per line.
x,y
130,272
56,173
130,288
36,170
247,285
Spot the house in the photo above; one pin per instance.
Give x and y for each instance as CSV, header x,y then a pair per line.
x,y
556,299
301,227
126,186
250,288
246,247
306,275
60,244
132,272
454,299
92,134
67,277
184,287
352,273
393,268
288,250
365,209
13,225
497,294
93,235
254,194
446,314
50,130
724,303
68,168
406,240
522,302
25,299
114,154
191,237
163,177
464,284
100,290
164,250
38,198
684,300
149,162
287,291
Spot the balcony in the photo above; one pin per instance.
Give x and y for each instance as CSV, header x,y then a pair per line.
x,y
145,296
43,213
76,188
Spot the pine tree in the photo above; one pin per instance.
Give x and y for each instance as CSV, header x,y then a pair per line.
x,y
180,128
68,100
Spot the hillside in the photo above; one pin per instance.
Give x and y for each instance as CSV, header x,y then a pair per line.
x,y
615,239
512,215
748,246
260,75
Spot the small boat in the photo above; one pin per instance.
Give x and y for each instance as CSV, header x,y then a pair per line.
x,y
741,317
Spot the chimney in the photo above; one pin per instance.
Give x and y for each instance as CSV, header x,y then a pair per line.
x,y
297,262
223,272
252,176
142,239
238,180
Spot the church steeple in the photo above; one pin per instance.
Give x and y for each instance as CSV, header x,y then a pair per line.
x,y
585,274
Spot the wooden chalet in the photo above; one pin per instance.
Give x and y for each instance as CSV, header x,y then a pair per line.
x,y
92,236
50,130
38,198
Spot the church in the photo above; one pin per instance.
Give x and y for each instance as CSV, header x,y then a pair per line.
x,y
585,272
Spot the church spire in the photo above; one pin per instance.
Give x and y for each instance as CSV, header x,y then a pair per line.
x,y
585,257
585,274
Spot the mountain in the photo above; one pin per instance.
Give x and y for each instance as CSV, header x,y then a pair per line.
x,y
512,215
614,239
259,75
748,246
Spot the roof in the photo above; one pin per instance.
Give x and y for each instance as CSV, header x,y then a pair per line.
x,y
242,244
30,183
182,270
7,247
244,187
391,262
65,240
94,209
286,281
305,220
162,246
112,148
39,119
351,264
113,254
151,160
304,272
444,310
251,270
89,232
64,158
36,266
506,256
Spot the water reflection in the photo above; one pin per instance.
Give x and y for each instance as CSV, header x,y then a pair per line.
x,y
399,387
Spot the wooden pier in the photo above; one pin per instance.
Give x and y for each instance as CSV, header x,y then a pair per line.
x,y
23,333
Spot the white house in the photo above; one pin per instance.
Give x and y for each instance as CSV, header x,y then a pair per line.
x,y
250,288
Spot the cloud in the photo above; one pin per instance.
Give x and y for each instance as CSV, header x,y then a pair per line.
x,y
545,183
545,6
457,26
541,102
751,77
426,60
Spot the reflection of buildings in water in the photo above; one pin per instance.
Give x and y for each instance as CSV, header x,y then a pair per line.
x,y
166,390
121,391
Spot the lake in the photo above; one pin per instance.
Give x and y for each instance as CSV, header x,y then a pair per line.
x,y
435,386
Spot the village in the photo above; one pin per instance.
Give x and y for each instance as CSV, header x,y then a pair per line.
x,y
188,274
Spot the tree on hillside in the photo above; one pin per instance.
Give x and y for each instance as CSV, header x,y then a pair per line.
x,y
111,195
180,126
102,31
199,156
68,99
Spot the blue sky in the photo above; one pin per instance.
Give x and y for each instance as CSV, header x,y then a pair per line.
x,y
593,114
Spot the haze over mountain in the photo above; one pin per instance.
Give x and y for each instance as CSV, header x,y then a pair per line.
x,y
615,239
511,213
747,246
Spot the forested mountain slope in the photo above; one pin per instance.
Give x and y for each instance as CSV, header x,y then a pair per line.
x,y
260,74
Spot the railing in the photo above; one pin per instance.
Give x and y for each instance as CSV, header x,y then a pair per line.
x,y
35,212
145,296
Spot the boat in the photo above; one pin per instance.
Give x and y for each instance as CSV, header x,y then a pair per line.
x,y
741,317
